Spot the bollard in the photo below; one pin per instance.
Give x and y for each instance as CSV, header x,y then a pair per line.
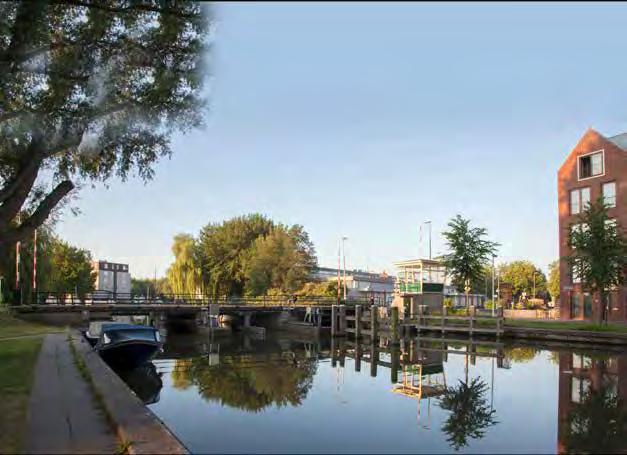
x,y
394,325
357,322
342,322
374,322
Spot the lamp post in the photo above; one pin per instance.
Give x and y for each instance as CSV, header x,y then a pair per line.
x,y
344,261
493,296
429,223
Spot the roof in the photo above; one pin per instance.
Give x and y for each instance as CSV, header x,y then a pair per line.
x,y
418,262
620,140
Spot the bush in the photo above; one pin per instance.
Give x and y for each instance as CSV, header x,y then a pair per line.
x,y
448,303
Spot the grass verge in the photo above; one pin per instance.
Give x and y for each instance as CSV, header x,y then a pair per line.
x,y
17,364
18,357
566,325
11,327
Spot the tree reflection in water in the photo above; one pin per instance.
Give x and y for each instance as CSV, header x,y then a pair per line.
x,y
598,424
470,414
249,382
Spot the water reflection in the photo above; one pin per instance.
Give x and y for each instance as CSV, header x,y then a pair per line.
x,y
426,395
144,380
592,405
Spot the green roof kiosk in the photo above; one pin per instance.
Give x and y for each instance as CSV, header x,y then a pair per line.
x,y
419,282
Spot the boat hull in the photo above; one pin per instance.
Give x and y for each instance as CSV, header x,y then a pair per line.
x,y
129,353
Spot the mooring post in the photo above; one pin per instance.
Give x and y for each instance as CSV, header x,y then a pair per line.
x,y
357,323
342,323
342,349
444,312
374,358
499,322
374,323
333,356
394,325
472,318
395,354
333,320
357,356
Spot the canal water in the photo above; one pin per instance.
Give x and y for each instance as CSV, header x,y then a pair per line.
x,y
290,395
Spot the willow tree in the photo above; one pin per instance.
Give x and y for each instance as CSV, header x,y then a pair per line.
x,y
91,89
184,273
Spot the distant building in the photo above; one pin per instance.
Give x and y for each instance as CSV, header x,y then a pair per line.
x,y
112,277
361,284
596,167
419,282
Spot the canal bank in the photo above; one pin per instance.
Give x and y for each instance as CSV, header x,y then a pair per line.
x,y
79,405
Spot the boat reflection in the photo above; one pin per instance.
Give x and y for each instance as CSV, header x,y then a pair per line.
x,y
144,380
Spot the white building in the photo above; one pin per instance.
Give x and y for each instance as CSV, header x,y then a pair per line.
x,y
360,284
112,278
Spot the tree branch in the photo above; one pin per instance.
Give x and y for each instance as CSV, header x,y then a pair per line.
x,y
37,218
134,7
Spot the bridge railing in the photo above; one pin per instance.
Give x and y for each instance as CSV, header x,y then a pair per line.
x,y
108,298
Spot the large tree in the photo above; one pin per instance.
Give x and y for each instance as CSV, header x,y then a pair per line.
x,y
90,89
282,260
184,275
598,253
70,269
522,275
225,250
469,252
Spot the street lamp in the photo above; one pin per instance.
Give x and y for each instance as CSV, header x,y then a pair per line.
x,y
493,295
344,261
429,223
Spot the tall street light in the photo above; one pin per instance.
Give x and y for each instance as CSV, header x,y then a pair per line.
x,y
429,223
344,260
493,295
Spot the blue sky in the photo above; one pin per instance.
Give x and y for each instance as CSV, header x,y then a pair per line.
x,y
364,120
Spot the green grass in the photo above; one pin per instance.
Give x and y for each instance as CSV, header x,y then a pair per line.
x,y
17,363
18,357
11,327
566,325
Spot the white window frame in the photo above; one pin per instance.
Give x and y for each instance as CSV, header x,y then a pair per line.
x,y
602,152
580,206
603,192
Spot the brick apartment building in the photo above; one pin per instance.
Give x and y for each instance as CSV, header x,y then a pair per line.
x,y
597,166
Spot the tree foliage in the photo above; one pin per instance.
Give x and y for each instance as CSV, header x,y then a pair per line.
x,y
553,285
470,415
520,274
88,90
70,269
599,423
248,254
598,252
284,259
184,275
469,252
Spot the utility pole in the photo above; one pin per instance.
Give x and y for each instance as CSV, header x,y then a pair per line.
x,y
35,265
493,296
534,284
18,247
344,260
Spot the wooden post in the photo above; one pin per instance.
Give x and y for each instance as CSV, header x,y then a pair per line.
x,y
357,356
472,318
357,323
374,358
333,320
342,352
444,312
499,322
374,322
342,322
394,325
395,357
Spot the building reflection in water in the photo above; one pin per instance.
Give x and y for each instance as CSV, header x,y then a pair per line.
x,y
592,407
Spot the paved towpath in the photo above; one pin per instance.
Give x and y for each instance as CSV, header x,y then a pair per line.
x,y
63,416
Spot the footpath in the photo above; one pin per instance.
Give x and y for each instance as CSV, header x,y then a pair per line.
x,y
63,414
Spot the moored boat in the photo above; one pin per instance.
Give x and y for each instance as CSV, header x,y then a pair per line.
x,y
127,344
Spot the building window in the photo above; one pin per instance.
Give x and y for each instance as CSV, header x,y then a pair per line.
x,y
575,274
579,200
609,194
591,165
